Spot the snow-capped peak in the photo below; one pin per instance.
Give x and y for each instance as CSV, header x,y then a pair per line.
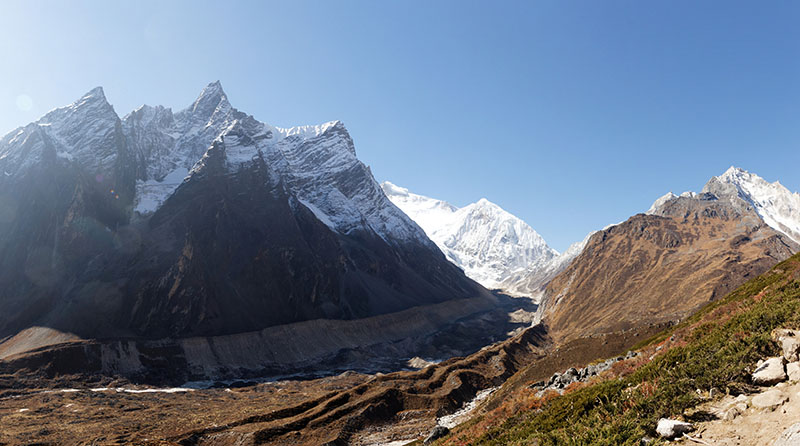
x,y
774,203
83,132
660,202
211,96
95,94
429,213
487,242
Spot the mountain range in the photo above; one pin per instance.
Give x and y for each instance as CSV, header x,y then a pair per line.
x,y
165,247
684,252
500,251
203,223
488,243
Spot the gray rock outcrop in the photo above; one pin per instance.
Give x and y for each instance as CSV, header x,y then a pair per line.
x,y
790,437
437,433
771,399
770,372
671,429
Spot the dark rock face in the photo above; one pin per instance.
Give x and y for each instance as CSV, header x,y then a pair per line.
x,y
234,249
437,433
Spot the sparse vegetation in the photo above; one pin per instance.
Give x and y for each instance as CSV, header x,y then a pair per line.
x,y
715,348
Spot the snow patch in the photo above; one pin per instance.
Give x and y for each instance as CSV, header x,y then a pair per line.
x,y
463,414
660,202
321,216
137,391
151,194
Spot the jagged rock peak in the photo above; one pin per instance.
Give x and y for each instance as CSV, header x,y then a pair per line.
x,y
94,99
211,98
95,94
774,203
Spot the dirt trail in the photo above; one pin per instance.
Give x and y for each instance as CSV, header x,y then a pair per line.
x,y
754,426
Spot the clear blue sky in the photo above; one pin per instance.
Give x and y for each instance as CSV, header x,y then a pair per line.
x,y
571,115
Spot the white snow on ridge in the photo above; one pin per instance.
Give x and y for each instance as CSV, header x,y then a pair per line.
x,y
151,194
777,206
306,131
84,132
317,163
660,202
429,213
487,242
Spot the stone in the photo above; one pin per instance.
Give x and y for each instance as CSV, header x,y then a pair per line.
x,y
770,372
793,371
672,429
734,411
790,437
790,345
779,334
437,433
771,399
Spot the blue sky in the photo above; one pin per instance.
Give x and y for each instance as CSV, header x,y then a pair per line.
x,y
571,115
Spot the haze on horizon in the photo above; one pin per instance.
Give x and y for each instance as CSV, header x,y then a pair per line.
x,y
570,117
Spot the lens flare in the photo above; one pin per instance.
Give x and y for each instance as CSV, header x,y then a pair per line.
x,y
24,102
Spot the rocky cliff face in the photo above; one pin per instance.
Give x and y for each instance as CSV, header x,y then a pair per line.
x,y
202,222
661,267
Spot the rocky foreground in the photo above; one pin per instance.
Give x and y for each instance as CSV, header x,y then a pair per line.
x,y
764,415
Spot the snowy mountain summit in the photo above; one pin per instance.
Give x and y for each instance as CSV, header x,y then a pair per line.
x,y
776,205
487,242
204,221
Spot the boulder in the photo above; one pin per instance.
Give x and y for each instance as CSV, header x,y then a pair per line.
x,y
791,346
771,399
779,334
793,371
437,433
732,408
672,429
731,413
790,437
770,372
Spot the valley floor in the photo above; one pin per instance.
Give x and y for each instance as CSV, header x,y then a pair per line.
x,y
83,416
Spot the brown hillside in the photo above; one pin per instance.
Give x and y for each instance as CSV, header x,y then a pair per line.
x,y
656,268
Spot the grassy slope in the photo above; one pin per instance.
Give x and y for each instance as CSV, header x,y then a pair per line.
x,y
717,347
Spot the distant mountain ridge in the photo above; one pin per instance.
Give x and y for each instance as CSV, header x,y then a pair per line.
x,y
774,203
683,252
487,242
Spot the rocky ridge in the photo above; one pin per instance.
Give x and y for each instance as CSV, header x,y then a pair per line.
x,y
492,246
662,266
201,223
